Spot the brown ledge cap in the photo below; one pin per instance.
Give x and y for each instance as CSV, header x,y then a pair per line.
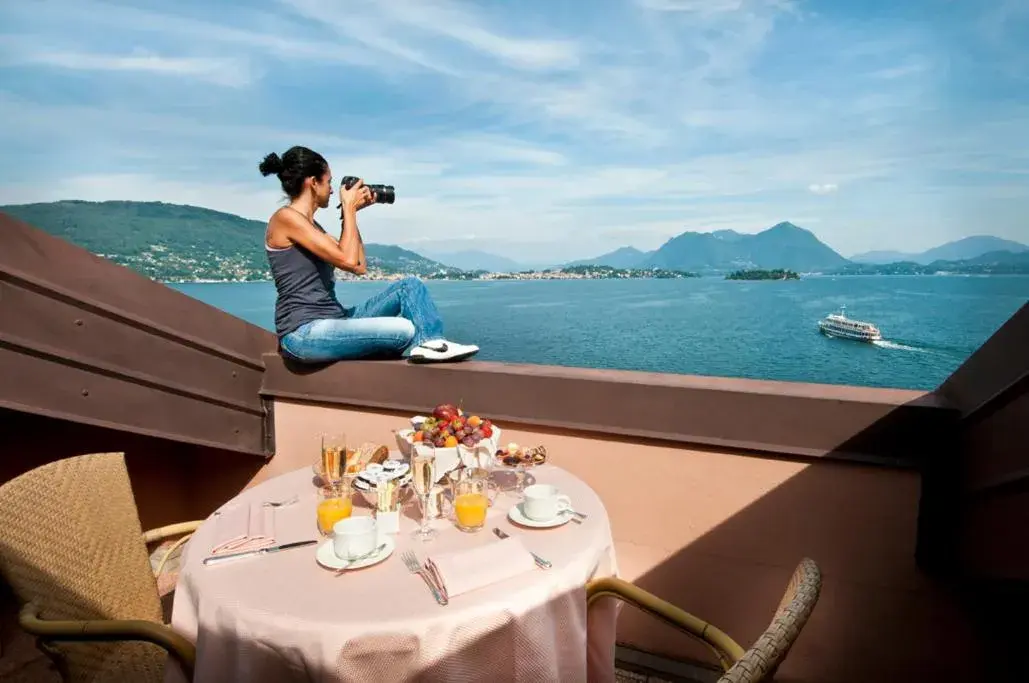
x,y
788,418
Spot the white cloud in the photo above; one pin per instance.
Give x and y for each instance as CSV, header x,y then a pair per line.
x,y
227,72
450,20
822,188
179,31
391,28
900,71
698,6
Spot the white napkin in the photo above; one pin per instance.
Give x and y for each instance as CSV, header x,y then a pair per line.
x,y
251,526
460,571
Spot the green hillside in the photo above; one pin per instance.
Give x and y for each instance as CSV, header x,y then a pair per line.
x,y
172,242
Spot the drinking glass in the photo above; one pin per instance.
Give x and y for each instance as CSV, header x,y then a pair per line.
x,y
333,458
423,466
335,502
521,464
473,495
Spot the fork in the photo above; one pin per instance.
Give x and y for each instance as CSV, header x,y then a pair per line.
x,y
415,568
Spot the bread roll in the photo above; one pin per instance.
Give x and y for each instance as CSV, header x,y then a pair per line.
x,y
368,453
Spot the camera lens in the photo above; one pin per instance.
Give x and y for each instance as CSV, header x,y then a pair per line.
x,y
384,194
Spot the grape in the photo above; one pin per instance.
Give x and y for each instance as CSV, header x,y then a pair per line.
x,y
468,441
477,434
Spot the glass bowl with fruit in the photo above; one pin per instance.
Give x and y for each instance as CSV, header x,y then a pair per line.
x,y
520,459
458,438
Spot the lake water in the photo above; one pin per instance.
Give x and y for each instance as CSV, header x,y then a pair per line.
x,y
705,326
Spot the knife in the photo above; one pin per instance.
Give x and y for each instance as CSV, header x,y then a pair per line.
x,y
215,559
544,564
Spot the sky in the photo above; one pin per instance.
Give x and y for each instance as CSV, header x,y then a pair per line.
x,y
537,130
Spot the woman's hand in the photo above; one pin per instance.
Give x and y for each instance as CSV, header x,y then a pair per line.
x,y
357,197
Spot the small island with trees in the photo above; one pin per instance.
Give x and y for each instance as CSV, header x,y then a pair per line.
x,y
776,274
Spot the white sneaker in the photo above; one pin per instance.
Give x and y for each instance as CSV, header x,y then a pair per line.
x,y
441,351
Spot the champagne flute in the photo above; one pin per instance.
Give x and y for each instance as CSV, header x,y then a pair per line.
x,y
334,458
423,464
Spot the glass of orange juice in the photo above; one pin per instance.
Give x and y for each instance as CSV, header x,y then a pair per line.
x,y
334,503
473,495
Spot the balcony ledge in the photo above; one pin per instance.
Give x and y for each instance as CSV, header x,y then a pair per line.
x,y
789,419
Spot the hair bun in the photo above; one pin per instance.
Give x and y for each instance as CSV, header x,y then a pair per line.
x,y
271,164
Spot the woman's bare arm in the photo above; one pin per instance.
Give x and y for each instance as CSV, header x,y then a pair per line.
x,y
347,253
348,222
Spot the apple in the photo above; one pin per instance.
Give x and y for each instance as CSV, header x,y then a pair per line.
x,y
445,411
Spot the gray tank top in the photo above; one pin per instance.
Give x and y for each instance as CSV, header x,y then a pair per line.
x,y
306,287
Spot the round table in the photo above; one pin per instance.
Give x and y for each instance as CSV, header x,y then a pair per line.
x,y
283,617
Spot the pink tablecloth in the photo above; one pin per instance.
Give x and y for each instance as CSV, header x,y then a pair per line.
x,y
282,617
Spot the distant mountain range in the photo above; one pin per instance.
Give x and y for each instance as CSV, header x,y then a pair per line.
x,y
959,250
476,260
784,245
990,263
625,257
173,242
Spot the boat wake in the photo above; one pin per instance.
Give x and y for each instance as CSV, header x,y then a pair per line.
x,y
887,344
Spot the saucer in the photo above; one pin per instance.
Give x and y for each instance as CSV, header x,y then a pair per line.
x,y
326,556
516,515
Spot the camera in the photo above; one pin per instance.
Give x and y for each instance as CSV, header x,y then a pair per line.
x,y
384,194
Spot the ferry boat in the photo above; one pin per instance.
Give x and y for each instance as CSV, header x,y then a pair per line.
x,y
839,325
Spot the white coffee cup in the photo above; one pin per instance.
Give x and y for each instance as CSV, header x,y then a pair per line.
x,y
354,536
544,502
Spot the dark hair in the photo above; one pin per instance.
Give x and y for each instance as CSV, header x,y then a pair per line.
x,y
295,166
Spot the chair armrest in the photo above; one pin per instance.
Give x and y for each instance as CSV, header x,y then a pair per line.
x,y
164,532
161,533
111,630
725,648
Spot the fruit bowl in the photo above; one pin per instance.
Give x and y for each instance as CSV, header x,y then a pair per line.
x,y
455,438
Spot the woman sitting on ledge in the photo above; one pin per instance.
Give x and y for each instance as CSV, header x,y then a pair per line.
x,y
311,324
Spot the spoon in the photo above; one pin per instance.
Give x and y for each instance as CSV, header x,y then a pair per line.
x,y
342,570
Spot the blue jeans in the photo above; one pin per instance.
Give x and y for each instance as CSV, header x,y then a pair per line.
x,y
389,324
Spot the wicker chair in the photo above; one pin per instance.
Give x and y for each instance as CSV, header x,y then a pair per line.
x,y
73,551
760,662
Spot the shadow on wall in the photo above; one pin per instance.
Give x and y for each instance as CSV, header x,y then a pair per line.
x,y
897,600
172,481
